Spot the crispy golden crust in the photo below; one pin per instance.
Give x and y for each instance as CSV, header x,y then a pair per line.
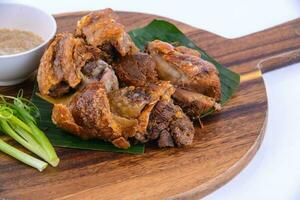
x,y
101,27
90,109
138,102
194,104
159,91
61,64
62,117
184,68
115,117
88,116
187,51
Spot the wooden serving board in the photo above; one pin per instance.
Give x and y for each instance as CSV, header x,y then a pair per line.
x,y
220,150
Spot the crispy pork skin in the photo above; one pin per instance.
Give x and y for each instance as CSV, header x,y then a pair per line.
x,y
88,116
115,116
102,29
61,64
198,86
184,68
194,104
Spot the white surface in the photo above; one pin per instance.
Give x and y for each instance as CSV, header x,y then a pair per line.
x,y
15,68
275,171
230,18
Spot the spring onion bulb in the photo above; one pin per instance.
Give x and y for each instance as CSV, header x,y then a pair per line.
x,y
18,119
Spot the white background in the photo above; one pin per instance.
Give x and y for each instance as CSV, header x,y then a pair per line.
x,y
274,173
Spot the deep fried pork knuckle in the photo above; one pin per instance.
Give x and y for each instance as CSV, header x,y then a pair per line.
x,y
61,64
184,68
115,116
197,79
159,90
194,104
101,29
88,115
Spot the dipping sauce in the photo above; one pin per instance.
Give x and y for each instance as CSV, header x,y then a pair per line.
x,y
14,41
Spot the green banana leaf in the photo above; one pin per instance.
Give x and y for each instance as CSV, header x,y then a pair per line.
x,y
157,29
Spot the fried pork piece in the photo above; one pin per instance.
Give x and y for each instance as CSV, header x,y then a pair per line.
x,y
197,81
88,116
184,68
114,116
100,71
60,66
141,69
101,29
138,102
194,103
136,70
169,125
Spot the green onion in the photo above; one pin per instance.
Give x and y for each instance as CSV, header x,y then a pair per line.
x,y
18,119
23,157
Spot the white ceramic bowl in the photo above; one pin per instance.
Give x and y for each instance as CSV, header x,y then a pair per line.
x,y
16,68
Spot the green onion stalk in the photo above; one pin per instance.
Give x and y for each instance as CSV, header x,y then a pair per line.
x,y
18,119
23,157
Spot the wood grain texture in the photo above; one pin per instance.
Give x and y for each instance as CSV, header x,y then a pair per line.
x,y
221,149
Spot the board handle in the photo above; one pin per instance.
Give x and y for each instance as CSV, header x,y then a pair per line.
x,y
278,61
286,46
269,49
